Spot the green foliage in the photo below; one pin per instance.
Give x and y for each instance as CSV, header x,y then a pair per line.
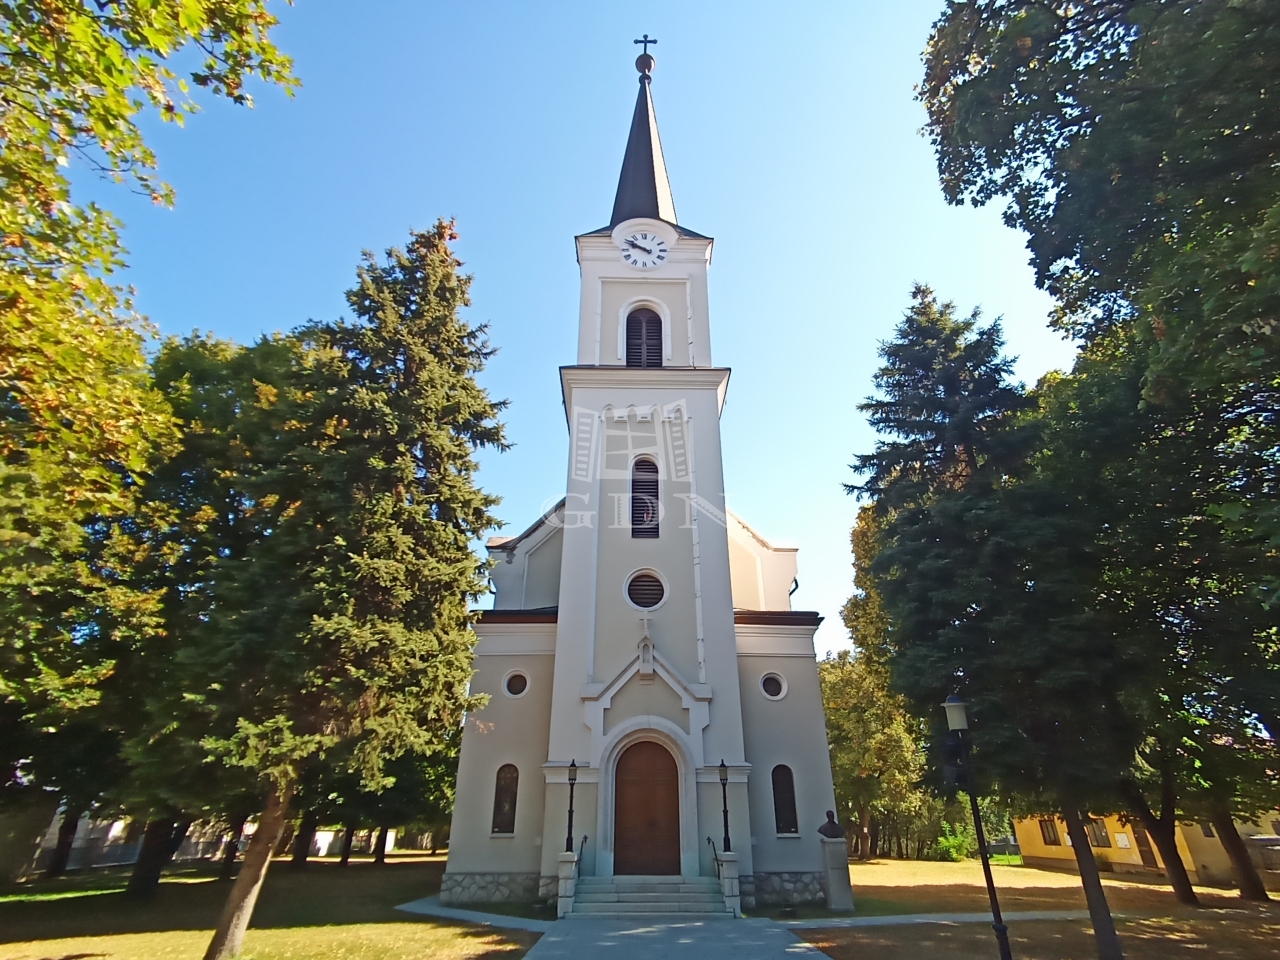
x,y
79,420
988,575
944,397
958,842
327,508
1135,143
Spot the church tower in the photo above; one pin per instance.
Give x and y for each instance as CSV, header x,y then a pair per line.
x,y
642,655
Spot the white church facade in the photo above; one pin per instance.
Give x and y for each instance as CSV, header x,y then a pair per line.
x,y
642,641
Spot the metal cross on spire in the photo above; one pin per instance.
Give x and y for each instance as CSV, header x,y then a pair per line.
x,y
645,42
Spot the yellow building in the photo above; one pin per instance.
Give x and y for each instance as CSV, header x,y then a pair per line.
x,y
1126,848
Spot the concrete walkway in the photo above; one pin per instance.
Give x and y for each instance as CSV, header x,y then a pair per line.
x,y
674,938
657,938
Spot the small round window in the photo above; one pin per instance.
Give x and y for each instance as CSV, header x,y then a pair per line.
x,y
645,590
516,684
774,686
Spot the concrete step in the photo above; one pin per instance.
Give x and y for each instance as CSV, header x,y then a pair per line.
x,y
614,896
670,917
657,906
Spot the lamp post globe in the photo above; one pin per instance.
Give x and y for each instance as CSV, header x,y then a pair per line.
x,y
957,716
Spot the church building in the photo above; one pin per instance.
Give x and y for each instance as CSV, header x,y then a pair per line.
x,y
642,656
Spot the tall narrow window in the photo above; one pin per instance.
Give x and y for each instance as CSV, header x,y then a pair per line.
x,y
784,800
1049,833
644,339
644,499
504,799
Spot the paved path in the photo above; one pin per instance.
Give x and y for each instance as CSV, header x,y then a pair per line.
x,y
666,938
659,939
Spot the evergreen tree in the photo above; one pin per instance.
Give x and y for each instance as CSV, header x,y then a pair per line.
x,y
340,619
987,574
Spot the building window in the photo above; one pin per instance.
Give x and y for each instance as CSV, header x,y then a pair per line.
x,y
1207,829
645,591
644,499
784,800
1049,833
773,686
516,684
644,339
504,799
1097,831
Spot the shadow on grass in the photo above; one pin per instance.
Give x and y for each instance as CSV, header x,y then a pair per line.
x,y
321,894
874,900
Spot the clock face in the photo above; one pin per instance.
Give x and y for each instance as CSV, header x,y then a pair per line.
x,y
644,250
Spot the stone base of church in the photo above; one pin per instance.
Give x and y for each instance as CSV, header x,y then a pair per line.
x,y
490,888
788,888
747,891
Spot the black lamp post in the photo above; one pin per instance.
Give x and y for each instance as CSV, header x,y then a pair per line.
x,y
724,799
573,778
958,723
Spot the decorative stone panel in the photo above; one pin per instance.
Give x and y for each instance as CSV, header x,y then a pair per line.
x,y
747,889
489,888
788,888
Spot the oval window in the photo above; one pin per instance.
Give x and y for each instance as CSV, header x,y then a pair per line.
x,y
774,686
645,590
517,684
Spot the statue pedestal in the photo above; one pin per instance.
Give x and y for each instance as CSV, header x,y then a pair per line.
x,y
835,859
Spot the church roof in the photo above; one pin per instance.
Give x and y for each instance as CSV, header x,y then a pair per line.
x,y
643,187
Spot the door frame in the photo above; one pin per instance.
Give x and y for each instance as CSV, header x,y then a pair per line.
x,y
670,736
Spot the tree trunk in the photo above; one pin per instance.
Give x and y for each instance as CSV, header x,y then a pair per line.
x,y
864,834
232,848
348,837
157,842
285,843
1104,927
1251,885
875,838
1163,832
228,938
66,838
380,846
304,838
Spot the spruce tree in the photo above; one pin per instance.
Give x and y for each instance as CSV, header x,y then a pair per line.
x,y
987,576
341,620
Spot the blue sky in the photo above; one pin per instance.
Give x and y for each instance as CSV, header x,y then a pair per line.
x,y
791,135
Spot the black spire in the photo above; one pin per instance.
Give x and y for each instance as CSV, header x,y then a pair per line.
x,y
643,188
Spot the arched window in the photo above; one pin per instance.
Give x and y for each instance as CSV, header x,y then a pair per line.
x,y
504,799
784,800
644,339
644,499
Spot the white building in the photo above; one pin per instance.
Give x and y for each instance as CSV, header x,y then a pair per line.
x,y
642,632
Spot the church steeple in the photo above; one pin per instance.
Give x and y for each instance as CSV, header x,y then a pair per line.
x,y
643,188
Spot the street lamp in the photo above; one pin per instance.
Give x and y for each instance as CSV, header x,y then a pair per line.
x,y
958,723
724,799
573,778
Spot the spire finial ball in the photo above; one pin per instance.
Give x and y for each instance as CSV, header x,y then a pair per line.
x,y
645,63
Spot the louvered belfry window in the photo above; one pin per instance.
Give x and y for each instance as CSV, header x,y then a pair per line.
x,y
645,590
644,339
644,499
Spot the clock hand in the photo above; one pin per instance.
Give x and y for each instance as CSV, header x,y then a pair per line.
x,y
632,243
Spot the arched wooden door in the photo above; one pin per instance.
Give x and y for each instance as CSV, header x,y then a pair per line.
x,y
646,821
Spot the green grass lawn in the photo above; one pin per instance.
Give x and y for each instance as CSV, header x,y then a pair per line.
x,y
323,911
